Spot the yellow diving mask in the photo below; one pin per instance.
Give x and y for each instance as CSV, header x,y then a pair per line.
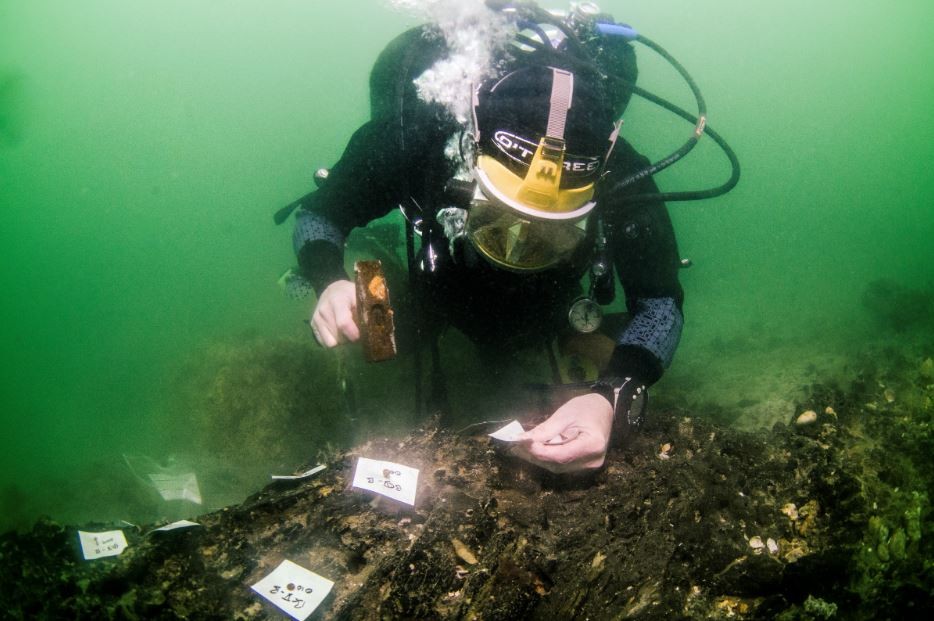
x,y
516,242
532,199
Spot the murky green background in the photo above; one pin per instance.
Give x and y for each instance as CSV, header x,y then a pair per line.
x,y
145,145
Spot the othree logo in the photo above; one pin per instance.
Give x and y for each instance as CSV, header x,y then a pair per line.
x,y
521,150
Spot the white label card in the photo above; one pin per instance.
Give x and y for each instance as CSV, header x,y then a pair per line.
x,y
294,589
101,545
176,526
304,475
384,477
509,433
177,486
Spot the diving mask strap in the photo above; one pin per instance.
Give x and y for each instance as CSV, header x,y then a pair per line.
x,y
543,179
562,92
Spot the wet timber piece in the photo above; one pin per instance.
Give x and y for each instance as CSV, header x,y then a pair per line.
x,y
374,312
689,520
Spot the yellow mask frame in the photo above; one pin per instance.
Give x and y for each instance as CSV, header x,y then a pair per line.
x,y
538,194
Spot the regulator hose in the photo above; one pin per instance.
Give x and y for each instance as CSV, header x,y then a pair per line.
x,y
687,195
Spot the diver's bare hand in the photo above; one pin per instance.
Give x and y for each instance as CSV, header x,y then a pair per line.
x,y
333,320
574,438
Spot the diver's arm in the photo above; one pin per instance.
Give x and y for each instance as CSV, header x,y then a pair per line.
x,y
647,263
647,346
645,254
364,185
319,246
577,435
369,180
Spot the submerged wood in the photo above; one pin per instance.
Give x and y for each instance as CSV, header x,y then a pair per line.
x,y
644,538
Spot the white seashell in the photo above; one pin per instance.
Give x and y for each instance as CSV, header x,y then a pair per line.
x,y
806,418
771,545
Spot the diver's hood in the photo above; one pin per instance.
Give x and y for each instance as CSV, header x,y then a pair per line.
x,y
543,136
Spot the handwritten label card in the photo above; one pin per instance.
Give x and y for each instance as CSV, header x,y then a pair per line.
x,y
294,589
293,477
100,545
509,433
177,486
384,477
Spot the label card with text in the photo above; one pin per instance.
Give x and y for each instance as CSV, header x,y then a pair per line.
x,y
509,432
294,589
384,477
101,545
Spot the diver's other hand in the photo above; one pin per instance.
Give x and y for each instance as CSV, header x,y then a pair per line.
x,y
574,438
333,320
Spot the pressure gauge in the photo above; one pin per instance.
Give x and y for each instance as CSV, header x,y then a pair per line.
x,y
585,315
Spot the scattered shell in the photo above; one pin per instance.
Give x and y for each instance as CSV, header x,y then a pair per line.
x,y
597,562
806,418
463,552
540,588
889,395
664,451
829,411
771,545
756,543
791,511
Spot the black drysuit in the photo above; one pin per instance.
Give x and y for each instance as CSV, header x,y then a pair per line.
x,y
399,155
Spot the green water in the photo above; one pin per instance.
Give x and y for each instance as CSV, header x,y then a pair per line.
x,y
146,145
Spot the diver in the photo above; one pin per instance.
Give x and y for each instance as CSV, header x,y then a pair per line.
x,y
515,203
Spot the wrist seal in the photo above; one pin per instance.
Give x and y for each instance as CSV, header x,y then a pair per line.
x,y
628,396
